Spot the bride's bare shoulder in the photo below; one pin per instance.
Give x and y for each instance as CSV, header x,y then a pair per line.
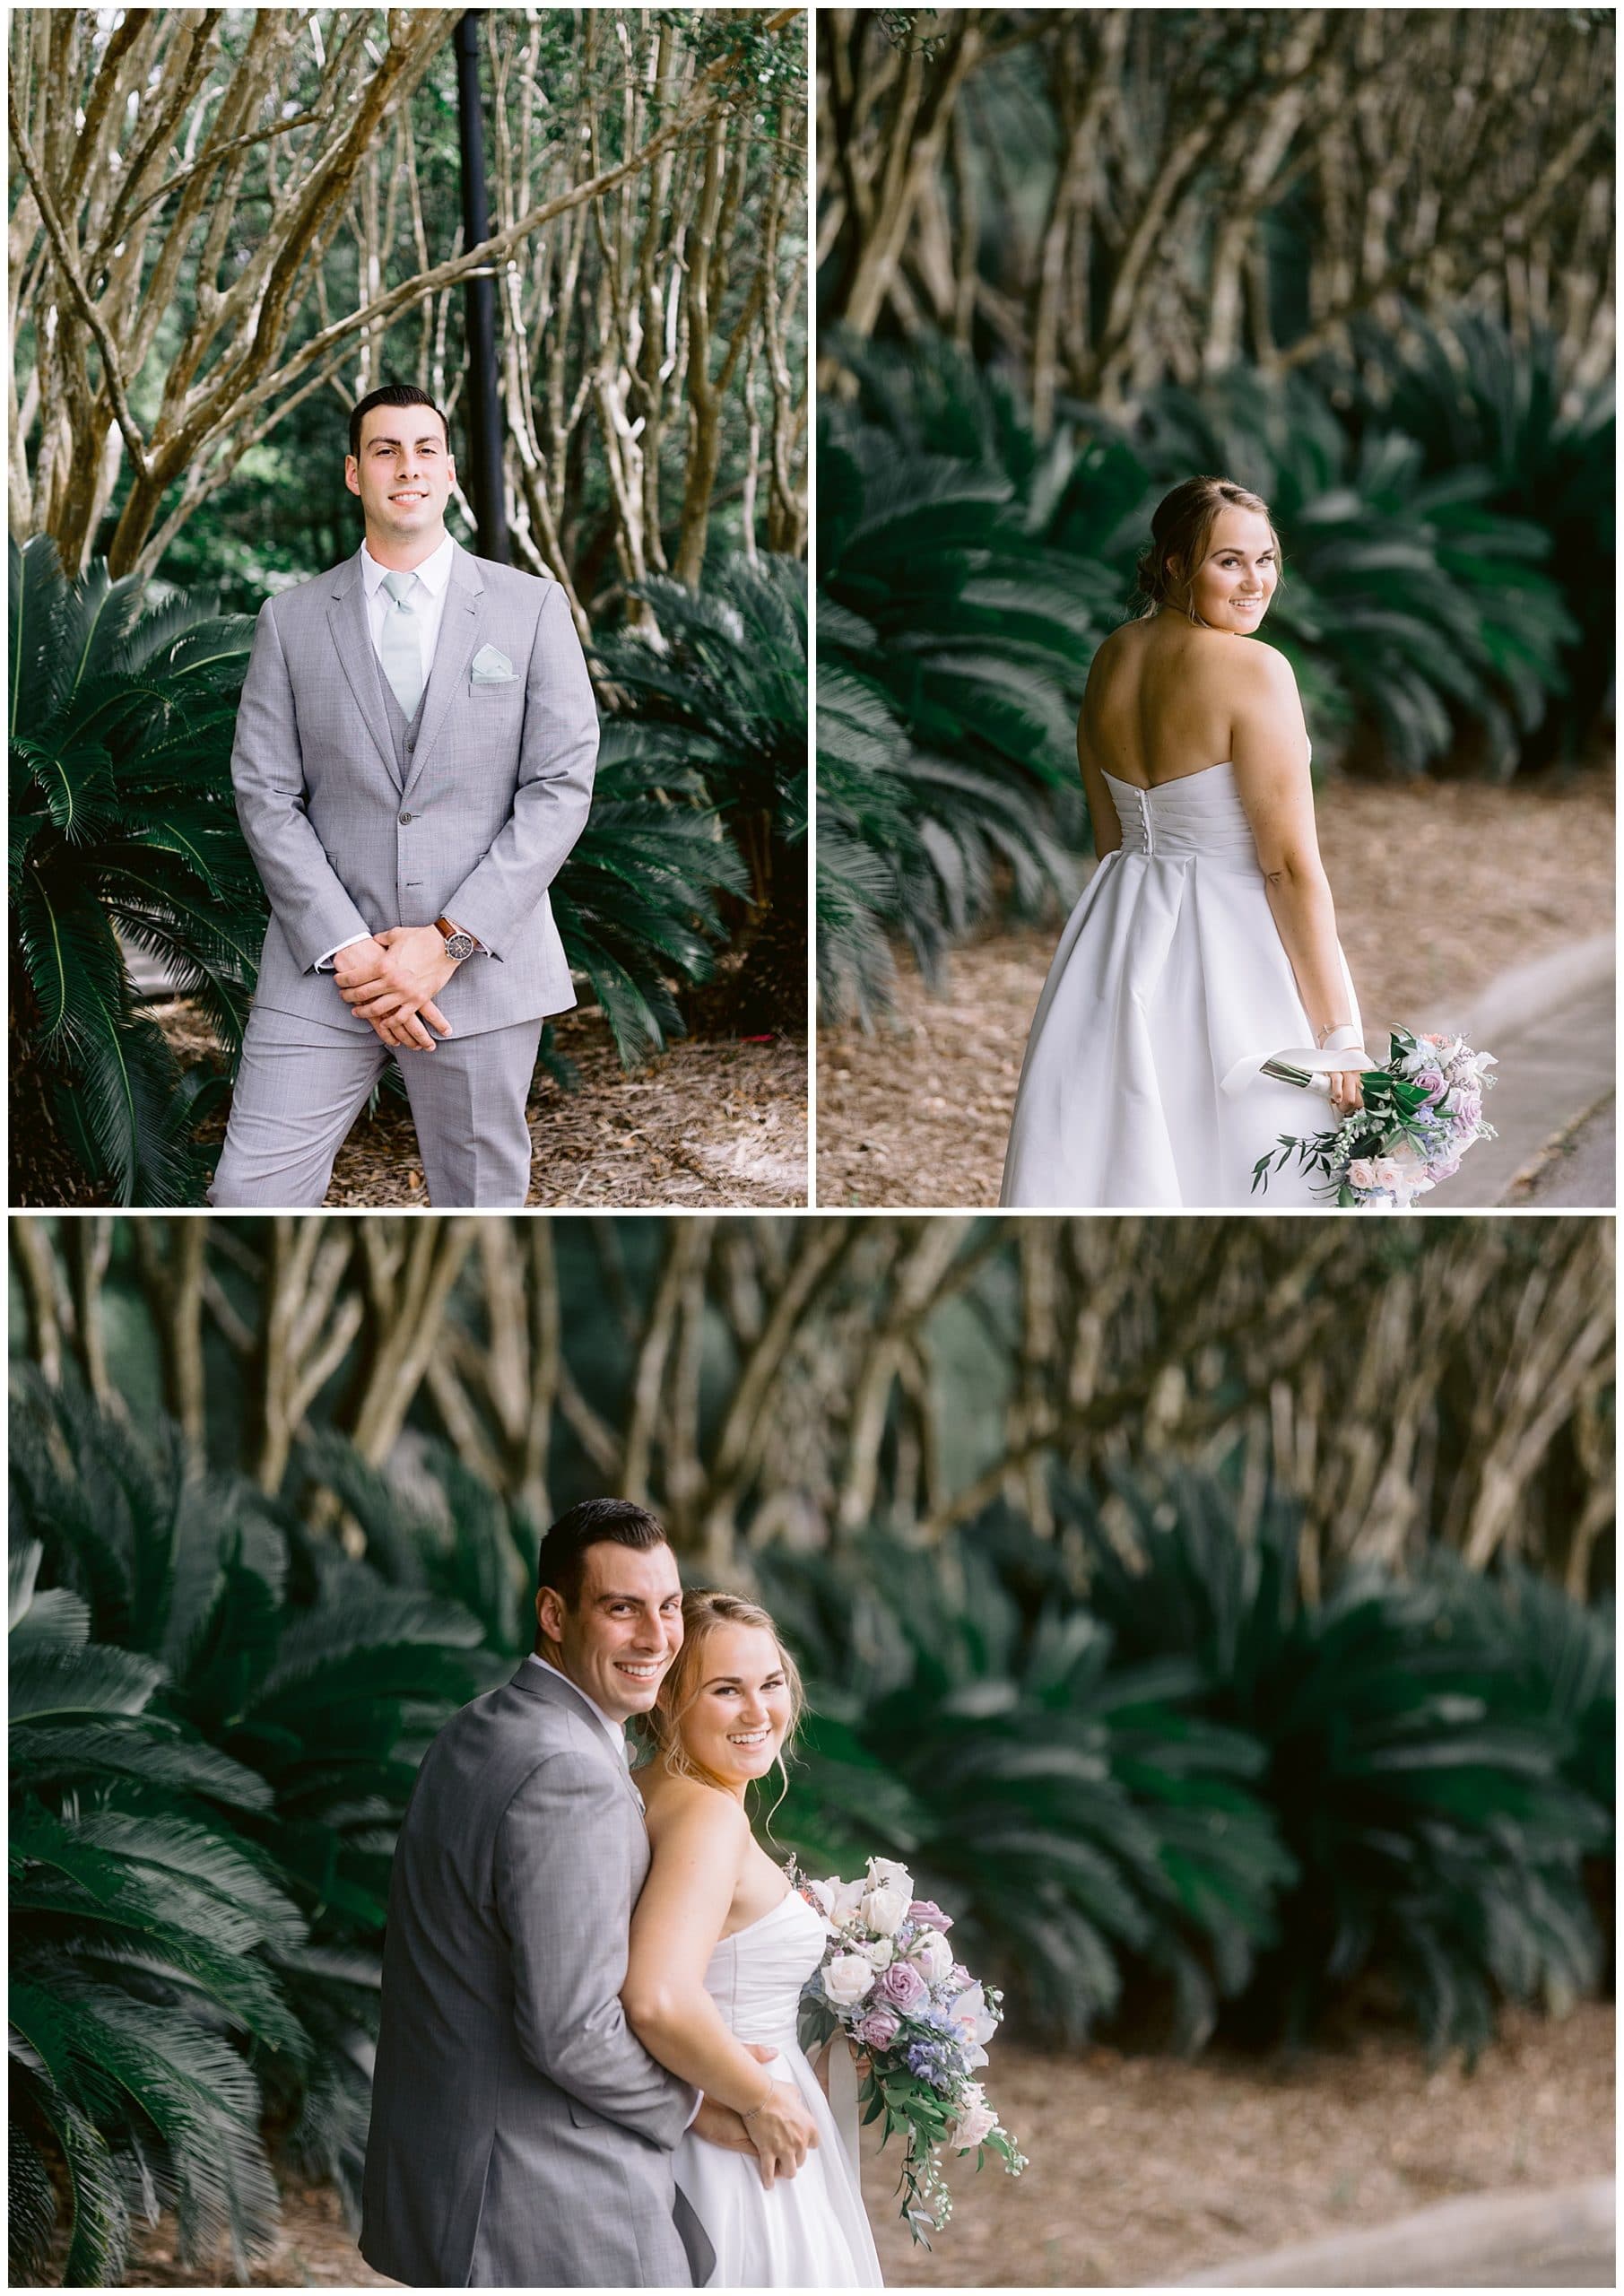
x,y
1261,669
686,1806
1117,656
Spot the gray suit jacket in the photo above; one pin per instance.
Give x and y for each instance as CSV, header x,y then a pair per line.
x,y
476,828
521,2136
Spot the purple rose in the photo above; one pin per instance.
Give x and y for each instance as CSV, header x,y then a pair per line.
x,y
902,1986
927,1914
957,1978
878,2030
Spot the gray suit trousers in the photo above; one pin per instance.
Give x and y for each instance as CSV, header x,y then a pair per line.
x,y
301,1086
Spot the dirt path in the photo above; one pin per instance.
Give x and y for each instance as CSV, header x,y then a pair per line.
x,y
1145,2168
1438,888
714,1122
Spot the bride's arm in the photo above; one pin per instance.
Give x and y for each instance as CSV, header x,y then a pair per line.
x,y
1102,812
1269,750
699,1837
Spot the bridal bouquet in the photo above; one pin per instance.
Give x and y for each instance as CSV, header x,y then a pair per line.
x,y
1422,1112
889,1982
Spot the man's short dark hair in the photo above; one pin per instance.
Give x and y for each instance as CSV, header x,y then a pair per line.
x,y
392,395
560,1563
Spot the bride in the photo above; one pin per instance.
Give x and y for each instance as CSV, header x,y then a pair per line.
x,y
1206,939
720,1948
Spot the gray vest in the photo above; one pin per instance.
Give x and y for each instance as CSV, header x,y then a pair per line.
x,y
402,732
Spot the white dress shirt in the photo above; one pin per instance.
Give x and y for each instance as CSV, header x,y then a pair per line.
x,y
428,608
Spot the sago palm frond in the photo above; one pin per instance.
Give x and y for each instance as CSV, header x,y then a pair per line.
x,y
121,820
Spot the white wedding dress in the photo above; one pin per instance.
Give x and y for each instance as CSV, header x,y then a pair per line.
x,y
810,2230
1169,987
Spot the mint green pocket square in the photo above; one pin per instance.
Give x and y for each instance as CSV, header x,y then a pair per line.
x,y
490,667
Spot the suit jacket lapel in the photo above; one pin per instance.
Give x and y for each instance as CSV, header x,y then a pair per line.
x,y
459,638
552,1691
353,643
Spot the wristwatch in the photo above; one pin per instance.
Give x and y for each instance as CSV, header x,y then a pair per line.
x,y
459,944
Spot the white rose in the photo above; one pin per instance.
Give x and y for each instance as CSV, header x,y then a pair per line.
x,y
847,1903
972,2128
847,1979
931,1955
886,1911
885,1873
880,1953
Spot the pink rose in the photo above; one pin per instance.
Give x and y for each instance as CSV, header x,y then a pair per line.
x,y
927,1914
1361,1173
902,1986
878,2030
973,2126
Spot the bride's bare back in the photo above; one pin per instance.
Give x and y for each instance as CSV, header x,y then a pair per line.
x,y
1162,698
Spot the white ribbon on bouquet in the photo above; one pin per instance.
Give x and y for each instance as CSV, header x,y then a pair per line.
x,y
1298,1064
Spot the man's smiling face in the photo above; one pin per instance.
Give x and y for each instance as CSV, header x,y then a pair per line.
x,y
617,1642
402,475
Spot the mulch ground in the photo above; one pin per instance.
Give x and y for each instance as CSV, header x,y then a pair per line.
x,y
712,1123
1438,887
1145,2168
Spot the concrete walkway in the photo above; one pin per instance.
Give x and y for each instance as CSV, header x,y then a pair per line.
x,y
1506,2240
1580,1167
1551,1027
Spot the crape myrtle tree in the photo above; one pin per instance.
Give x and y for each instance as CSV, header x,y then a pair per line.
x,y
219,215
1109,200
814,1380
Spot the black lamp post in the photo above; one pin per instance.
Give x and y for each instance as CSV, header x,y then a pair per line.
x,y
484,413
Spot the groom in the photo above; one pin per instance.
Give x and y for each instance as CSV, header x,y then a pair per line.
x,y
414,761
521,2136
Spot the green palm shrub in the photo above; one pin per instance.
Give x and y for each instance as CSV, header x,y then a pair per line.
x,y
437,1530
1469,394
1072,1813
637,902
1421,1780
954,642
206,1779
140,1937
717,708
122,829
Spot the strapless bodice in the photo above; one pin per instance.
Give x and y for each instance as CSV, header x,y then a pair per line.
x,y
755,1976
1198,816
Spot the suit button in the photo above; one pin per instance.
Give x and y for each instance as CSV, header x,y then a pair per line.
x,y
405,819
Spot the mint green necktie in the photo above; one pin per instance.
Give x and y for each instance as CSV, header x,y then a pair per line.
x,y
403,647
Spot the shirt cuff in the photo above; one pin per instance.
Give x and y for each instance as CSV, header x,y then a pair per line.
x,y
324,964
693,2115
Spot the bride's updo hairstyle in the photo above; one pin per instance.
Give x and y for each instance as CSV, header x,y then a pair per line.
x,y
1180,528
704,1609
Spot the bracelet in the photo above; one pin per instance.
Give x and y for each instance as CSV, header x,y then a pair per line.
x,y
755,2109
1345,1030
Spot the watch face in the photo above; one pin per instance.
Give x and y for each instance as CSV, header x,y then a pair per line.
x,y
460,945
